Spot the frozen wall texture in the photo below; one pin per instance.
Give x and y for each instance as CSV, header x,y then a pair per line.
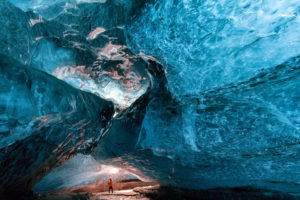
x,y
233,72
44,122
191,93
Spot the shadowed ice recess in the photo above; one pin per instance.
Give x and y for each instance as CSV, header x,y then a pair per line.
x,y
210,89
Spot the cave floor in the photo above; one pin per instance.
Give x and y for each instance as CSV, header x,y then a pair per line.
x,y
156,192
135,193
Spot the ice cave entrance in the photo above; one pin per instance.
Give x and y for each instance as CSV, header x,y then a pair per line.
x,y
84,173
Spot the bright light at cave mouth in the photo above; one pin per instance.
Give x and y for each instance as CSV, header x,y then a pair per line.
x,y
113,170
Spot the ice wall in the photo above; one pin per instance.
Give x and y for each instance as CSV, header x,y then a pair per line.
x,y
232,69
54,57
223,107
73,41
44,122
209,44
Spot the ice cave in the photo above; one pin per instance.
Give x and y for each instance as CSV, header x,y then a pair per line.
x,y
171,99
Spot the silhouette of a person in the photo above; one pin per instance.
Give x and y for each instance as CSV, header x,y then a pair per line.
x,y
110,186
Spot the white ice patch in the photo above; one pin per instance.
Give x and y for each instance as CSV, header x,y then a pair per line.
x,y
122,83
93,34
32,22
111,91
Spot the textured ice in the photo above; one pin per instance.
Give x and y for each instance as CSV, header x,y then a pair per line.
x,y
208,44
43,122
128,7
31,101
253,114
233,71
222,109
72,42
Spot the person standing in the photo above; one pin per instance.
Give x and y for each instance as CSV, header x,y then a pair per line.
x,y
110,186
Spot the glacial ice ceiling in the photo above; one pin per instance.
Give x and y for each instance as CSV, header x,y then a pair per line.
x,y
204,93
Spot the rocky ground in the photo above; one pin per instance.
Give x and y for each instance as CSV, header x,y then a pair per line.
x,y
122,190
117,195
152,191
